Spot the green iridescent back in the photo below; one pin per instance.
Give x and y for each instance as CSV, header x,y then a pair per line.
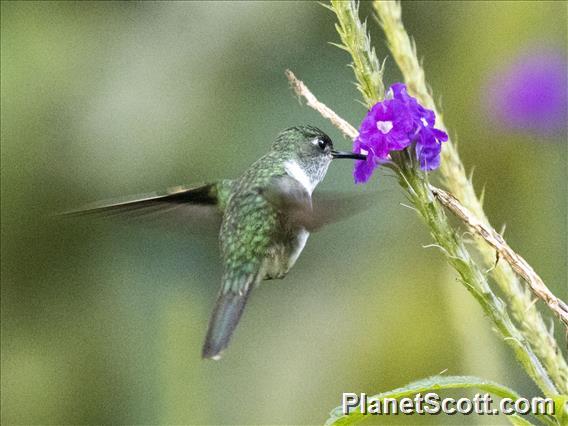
x,y
249,223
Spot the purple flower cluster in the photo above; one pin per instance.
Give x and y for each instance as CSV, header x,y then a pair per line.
x,y
531,93
392,125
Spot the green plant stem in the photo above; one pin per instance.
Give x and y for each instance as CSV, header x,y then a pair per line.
x,y
454,177
354,38
416,184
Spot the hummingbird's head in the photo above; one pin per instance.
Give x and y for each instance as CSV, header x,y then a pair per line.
x,y
309,149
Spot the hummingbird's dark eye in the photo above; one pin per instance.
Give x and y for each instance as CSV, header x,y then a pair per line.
x,y
322,144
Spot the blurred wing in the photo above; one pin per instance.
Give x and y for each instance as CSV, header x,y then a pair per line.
x,y
178,204
289,196
330,207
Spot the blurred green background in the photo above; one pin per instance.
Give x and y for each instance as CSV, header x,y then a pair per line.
x,y
102,321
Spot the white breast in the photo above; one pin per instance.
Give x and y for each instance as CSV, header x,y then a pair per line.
x,y
295,170
301,243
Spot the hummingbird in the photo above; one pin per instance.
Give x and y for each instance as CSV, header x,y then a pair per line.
x,y
267,215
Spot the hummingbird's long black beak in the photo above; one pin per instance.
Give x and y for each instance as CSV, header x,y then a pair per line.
x,y
343,154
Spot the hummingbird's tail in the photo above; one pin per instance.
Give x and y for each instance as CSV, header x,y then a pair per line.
x,y
226,315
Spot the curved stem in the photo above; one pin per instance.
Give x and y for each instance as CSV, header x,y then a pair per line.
x,y
452,171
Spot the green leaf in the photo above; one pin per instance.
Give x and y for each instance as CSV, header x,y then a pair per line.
x,y
518,420
431,384
561,409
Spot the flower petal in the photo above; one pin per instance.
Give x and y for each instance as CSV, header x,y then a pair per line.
x,y
393,125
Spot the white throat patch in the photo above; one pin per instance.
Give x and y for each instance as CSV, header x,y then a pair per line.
x,y
295,170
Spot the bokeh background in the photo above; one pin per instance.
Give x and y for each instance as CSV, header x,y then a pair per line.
x,y
103,321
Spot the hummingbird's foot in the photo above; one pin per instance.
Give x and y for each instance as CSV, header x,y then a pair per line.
x,y
274,277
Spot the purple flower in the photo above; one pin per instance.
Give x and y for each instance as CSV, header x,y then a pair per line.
x,y
531,93
393,125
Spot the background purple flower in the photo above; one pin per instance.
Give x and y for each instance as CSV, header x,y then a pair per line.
x,y
531,92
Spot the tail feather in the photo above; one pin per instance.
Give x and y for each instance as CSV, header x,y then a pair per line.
x,y
226,315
